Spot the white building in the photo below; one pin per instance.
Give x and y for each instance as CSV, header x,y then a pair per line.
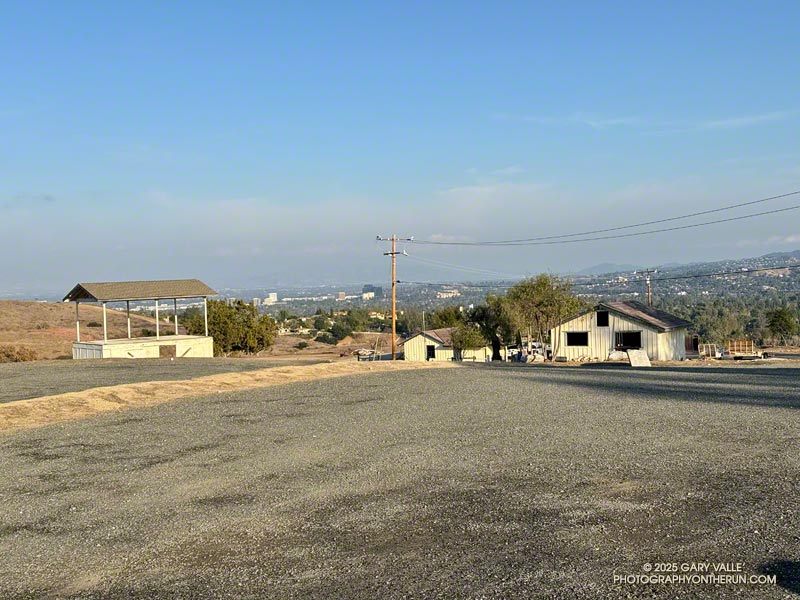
x,y
610,326
437,344
271,298
256,302
367,295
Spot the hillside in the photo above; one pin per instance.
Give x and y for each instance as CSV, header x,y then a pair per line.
x,y
49,328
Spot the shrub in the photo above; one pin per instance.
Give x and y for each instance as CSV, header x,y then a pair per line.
x,y
302,345
326,338
94,324
17,354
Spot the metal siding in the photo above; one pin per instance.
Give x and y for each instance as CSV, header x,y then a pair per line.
x,y
601,339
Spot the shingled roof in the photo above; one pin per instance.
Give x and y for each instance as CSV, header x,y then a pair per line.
x,y
114,291
641,312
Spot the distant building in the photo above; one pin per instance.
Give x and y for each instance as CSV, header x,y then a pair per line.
x,y
271,298
256,302
367,295
377,290
341,296
610,326
448,294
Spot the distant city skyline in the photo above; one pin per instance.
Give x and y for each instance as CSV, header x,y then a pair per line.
x,y
268,145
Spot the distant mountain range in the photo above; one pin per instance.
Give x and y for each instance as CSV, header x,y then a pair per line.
x,y
775,258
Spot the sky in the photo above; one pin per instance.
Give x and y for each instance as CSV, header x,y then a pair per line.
x,y
267,144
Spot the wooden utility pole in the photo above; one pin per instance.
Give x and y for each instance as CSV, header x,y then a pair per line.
x,y
394,239
649,287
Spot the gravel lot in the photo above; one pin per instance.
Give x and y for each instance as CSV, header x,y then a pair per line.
x,y
21,381
477,482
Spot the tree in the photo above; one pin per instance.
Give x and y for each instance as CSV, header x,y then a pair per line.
x,y
467,337
235,328
320,322
539,304
340,330
449,316
783,323
495,322
410,322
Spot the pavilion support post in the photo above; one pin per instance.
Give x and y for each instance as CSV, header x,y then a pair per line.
x,y
205,313
105,324
77,321
158,332
175,304
128,311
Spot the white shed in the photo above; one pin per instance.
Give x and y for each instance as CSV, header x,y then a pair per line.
x,y
611,326
437,344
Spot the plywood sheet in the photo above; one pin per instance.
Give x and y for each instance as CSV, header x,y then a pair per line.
x,y
638,358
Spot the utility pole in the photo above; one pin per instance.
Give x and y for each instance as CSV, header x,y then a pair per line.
x,y
649,287
394,239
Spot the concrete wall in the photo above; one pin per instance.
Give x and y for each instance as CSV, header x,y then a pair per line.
x,y
185,347
601,339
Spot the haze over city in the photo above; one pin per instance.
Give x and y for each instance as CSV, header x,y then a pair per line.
x,y
269,145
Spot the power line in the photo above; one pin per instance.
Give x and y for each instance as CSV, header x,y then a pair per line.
x,y
560,239
442,264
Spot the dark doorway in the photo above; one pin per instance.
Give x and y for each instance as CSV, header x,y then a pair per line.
x,y
628,340
430,352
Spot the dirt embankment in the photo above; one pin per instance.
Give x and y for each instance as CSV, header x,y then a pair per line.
x,y
63,407
48,328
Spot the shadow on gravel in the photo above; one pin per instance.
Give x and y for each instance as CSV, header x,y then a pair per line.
x,y
745,386
787,573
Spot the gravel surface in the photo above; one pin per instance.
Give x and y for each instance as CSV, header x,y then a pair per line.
x,y
477,482
21,381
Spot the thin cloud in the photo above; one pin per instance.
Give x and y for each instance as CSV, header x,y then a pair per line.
x,y
578,118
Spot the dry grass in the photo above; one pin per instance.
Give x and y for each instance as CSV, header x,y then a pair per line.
x,y
10,353
76,405
49,328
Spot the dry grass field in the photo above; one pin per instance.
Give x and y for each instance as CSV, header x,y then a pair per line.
x,y
49,328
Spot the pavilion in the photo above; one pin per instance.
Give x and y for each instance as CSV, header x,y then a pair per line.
x,y
172,346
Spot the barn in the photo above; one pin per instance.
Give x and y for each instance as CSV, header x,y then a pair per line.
x,y
609,326
437,344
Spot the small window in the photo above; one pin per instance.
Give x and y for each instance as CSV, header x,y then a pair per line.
x,y
577,338
602,318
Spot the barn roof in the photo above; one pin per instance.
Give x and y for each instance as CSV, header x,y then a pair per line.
x,y
641,312
652,317
111,291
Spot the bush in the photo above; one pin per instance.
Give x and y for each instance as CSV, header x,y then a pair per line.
x,y
94,324
9,354
341,330
326,338
302,345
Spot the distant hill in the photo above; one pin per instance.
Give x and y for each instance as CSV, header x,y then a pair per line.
x,y
49,327
604,268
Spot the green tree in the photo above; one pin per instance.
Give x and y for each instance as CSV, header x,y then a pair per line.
x,y
340,330
320,322
783,323
540,303
495,322
467,337
410,322
449,316
235,328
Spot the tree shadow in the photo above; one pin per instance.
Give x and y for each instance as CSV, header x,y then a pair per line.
x,y
787,573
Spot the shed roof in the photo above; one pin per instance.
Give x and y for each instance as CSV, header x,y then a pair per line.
x,y
112,291
444,336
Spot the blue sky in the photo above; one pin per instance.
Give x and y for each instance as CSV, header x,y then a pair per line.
x,y
268,143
